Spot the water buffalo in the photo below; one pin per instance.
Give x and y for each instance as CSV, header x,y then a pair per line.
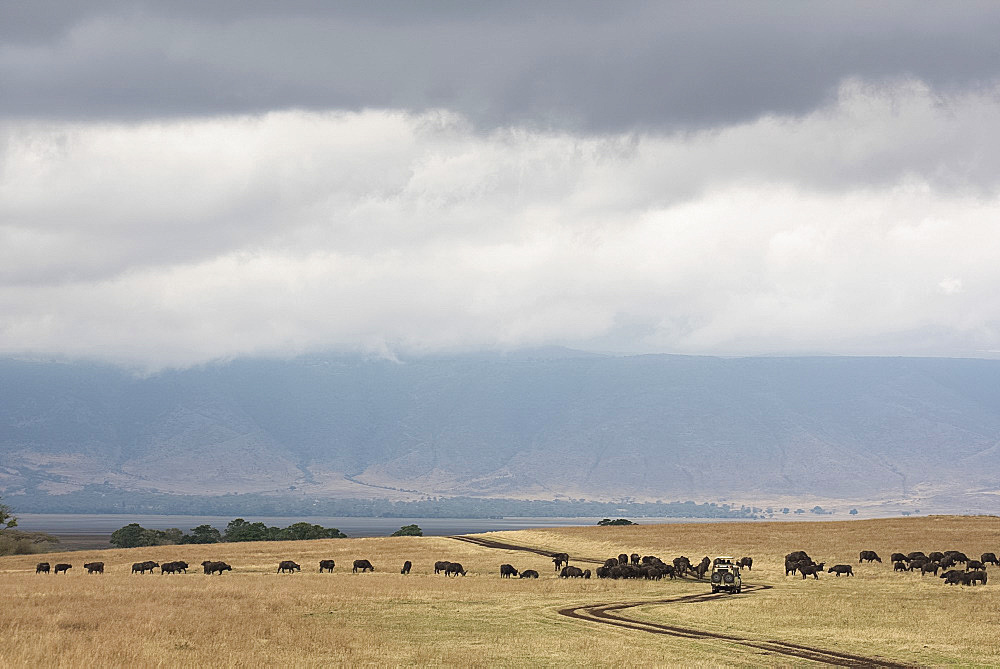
x,y
507,570
559,559
586,573
702,567
173,567
953,576
571,572
797,556
622,558
94,567
363,565
63,567
870,556
213,567
972,577
810,570
935,556
899,565
326,565
957,556
407,566
917,563
454,569
974,565
839,569
897,557
529,573
989,558
143,567
440,566
746,562
681,565
288,566
634,557
916,554
611,562
42,568
929,568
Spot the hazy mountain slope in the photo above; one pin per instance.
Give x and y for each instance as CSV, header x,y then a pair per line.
x,y
527,424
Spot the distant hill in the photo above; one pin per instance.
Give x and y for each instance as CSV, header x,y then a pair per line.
x,y
545,424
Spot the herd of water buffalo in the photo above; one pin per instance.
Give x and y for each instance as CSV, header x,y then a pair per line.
x,y
973,572
626,566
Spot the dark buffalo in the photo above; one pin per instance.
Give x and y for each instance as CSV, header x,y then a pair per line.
x,y
915,555
174,567
440,566
634,557
935,556
702,567
947,562
42,568
870,556
622,558
791,566
810,570
839,569
571,572
989,558
611,562
681,565
143,567
746,562
62,567
326,565
407,566
917,563
529,573
454,569
798,556
974,565
213,567
953,576
363,565
929,568
957,556
507,570
586,573
288,566
94,567
559,559
973,577
897,557
899,566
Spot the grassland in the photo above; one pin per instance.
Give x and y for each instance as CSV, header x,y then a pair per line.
x,y
254,617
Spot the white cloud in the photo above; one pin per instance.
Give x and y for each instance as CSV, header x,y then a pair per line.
x,y
182,241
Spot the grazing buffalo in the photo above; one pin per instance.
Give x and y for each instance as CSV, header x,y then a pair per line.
x,y
611,562
917,563
529,573
972,577
440,566
213,567
42,568
287,566
63,567
571,572
326,565
791,567
143,567
810,570
507,570
897,557
929,568
989,558
957,556
839,569
746,562
899,566
454,569
870,556
974,565
407,566
947,562
94,567
953,576
935,556
559,559
916,555
363,565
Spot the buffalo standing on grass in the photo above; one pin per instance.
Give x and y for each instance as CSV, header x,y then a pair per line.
x,y
571,572
529,573
746,562
94,567
63,567
215,567
839,569
42,568
440,566
143,567
174,567
810,570
454,569
507,570
407,566
363,565
559,559
870,556
288,566
989,558
326,565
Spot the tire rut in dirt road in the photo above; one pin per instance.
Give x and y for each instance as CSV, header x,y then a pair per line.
x,y
609,614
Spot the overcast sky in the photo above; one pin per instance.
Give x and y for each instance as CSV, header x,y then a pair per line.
x,y
187,181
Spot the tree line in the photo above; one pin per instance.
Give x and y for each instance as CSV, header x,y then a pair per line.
x,y
134,535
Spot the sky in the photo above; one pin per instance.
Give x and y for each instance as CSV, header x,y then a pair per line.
x,y
186,182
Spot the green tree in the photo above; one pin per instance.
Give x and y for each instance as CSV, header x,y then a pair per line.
x,y
241,530
620,521
7,519
130,536
408,531
203,534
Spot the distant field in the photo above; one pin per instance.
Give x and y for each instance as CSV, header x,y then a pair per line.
x,y
253,616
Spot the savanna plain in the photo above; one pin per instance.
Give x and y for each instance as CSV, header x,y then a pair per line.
x,y
254,616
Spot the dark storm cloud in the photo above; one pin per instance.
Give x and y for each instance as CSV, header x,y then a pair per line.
x,y
598,66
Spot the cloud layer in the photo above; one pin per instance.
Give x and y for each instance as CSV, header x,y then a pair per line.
x,y
865,225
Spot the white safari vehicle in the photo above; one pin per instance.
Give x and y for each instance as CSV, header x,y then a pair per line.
x,y
726,574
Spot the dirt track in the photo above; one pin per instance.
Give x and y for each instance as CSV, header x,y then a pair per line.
x,y
610,614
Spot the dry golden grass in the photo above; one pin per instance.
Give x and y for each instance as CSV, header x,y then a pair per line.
x,y
254,617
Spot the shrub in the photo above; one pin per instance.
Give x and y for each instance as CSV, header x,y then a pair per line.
x,y
620,521
408,531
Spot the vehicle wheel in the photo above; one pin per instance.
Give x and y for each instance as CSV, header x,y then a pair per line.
x,y
739,590
714,590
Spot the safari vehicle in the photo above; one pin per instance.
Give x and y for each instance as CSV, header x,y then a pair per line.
x,y
726,574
